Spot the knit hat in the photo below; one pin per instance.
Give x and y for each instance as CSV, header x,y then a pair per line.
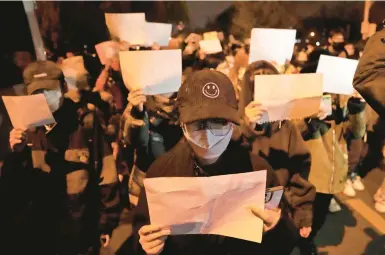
x,y
207,94
42,75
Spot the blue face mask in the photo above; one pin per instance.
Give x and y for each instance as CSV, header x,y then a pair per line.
x,y
54,99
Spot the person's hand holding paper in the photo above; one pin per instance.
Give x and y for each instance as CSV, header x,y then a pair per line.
x,y
154,72
18,139
153,238
254,113
137,98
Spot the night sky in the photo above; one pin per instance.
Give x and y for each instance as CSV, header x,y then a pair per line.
x,y
15,31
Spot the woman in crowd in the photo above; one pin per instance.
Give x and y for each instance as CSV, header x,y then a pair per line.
x,y
208,118
149,126
281,145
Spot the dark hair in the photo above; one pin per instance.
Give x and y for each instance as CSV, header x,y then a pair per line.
x,y
247,87
334,32
313,59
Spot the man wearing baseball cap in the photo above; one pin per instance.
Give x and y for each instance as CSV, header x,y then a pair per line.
x,y
208,113
69,174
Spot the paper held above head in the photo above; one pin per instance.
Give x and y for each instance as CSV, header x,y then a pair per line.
x,y
273,45
211,46
155,72
217,205
107,50
28,111
338,74
290,96
129,27
159,33
74,71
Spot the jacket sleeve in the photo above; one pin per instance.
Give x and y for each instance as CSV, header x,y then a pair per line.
x,y
299,154
300,196
299,193
244,133
135,127
356,122
369,79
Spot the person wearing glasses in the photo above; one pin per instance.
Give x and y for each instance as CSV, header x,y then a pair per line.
x,y
208,113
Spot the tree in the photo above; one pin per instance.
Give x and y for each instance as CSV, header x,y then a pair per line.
x,y
48,14
249,15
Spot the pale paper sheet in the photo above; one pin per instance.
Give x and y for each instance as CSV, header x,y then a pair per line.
x,y
107,50
208,205
289,96
156,72
211,46
159,33
338,74
28,111
211,36
74,71
129,27
273,45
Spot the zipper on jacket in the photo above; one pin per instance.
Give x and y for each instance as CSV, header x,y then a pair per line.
x,y
333,162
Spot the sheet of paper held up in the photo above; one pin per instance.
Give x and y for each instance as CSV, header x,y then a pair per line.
x,y
156,72
74,72
107,50
159,33
291,96
21,115
129,27
338,74
200,205
273,45
211,46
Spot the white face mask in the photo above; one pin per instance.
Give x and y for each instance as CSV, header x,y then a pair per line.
x,y
54,99
206,145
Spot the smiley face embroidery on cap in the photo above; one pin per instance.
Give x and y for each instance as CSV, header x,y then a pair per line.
x,y
210,90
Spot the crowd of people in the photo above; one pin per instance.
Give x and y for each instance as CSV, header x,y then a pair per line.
x,y
63,186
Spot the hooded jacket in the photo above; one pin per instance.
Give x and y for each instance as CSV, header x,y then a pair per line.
x,y
179,162
282,146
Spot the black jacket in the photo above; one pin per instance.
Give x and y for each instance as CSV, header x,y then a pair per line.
x,y
369,79
179,162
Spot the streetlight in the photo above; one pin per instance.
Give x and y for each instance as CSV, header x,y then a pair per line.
x,y
318,44
312,34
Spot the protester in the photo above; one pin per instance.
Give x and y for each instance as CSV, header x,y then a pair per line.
x,y
337,43
150,127
207,150
281,145
325,138
369,81
62,177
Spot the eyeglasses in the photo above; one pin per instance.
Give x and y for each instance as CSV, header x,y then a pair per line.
x,y
216,127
